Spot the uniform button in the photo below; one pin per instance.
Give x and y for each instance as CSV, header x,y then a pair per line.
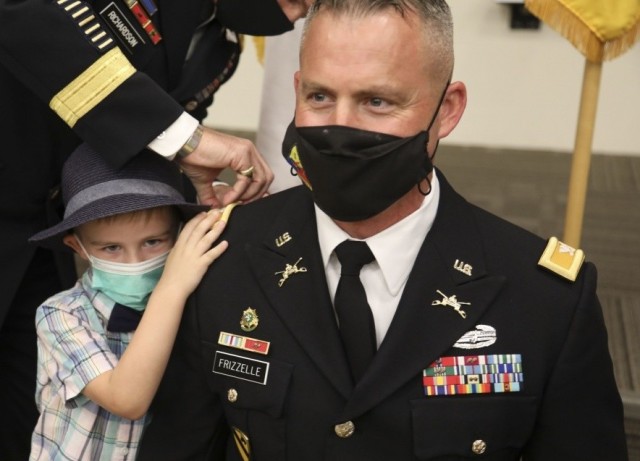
x,y
479,447
232,395
345,430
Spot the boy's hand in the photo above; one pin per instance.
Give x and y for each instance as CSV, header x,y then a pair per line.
x,y
192,253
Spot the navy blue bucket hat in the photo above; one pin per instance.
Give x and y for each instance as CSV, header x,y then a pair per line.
x,y
93,189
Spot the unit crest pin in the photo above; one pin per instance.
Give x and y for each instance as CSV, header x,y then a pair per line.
x,y
249,320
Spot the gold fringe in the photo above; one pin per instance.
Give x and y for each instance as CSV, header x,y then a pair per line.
x,y
566,23
259,43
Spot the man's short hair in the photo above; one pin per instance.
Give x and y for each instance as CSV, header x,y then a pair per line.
x,y
434,15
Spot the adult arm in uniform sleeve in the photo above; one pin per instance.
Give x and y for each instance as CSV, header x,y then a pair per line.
x,y
187,421
581,415
66,56
90,84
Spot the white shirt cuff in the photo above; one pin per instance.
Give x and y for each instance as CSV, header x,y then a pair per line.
x,y
169,142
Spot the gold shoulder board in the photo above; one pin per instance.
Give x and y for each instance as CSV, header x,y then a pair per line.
x,y
562,259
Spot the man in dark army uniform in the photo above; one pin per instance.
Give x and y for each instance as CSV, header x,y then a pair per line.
x,y
121,75
372,313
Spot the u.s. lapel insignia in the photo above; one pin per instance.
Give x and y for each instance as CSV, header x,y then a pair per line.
x,y
290,269
249,320
451,301
481,336
242,443
244,343
284,238
463,267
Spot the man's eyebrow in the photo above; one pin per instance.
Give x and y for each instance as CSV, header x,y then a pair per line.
x,y
371,91
380,90
313,86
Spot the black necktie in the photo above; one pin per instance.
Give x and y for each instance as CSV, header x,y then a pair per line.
x,y
357,327
123,319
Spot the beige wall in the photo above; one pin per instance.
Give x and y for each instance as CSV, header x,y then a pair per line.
x,y
524,87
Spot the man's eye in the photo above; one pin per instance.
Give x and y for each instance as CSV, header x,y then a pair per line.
x,y
376,102
111,248
318,97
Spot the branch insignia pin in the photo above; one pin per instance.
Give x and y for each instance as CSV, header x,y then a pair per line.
x,y
289,270
451,301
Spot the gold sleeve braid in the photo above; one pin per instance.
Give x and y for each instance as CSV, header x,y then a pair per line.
x,y
92,86
80,13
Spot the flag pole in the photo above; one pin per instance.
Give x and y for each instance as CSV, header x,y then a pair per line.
x,y
581,160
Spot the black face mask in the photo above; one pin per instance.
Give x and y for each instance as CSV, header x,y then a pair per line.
x,y
253,17
355,174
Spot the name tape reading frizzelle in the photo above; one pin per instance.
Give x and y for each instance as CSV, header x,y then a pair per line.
x,y
240,367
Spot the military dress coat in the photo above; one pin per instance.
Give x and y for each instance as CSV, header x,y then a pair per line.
x,y
227,390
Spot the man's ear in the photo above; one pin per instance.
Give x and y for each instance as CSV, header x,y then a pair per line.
x,y
296,81
453,105
72,242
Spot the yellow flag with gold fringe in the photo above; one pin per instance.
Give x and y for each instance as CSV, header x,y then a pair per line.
x,y
600,30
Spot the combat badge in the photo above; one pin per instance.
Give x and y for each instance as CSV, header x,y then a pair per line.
x,y
562,259
249,320
481,336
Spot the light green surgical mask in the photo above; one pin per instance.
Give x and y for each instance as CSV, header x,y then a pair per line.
x,y
129,284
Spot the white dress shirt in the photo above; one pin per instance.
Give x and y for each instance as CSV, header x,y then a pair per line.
x,y
395,250
169,142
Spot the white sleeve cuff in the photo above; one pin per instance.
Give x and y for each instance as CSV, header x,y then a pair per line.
x,y
169,142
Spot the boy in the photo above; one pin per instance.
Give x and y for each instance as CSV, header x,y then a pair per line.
x,y
96,377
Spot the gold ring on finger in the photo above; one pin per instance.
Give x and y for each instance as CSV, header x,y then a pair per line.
x,y
248,173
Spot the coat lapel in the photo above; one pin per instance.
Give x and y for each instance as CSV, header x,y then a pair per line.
x,y
421,331
300,298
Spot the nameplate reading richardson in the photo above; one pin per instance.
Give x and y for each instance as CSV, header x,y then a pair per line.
x,y
239,367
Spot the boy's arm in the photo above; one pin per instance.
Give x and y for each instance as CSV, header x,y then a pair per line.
x,y
128,389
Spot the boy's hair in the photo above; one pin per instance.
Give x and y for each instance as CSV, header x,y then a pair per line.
x,y
93,189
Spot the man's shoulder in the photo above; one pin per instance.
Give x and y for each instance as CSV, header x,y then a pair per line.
x,y
288,204
549,258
